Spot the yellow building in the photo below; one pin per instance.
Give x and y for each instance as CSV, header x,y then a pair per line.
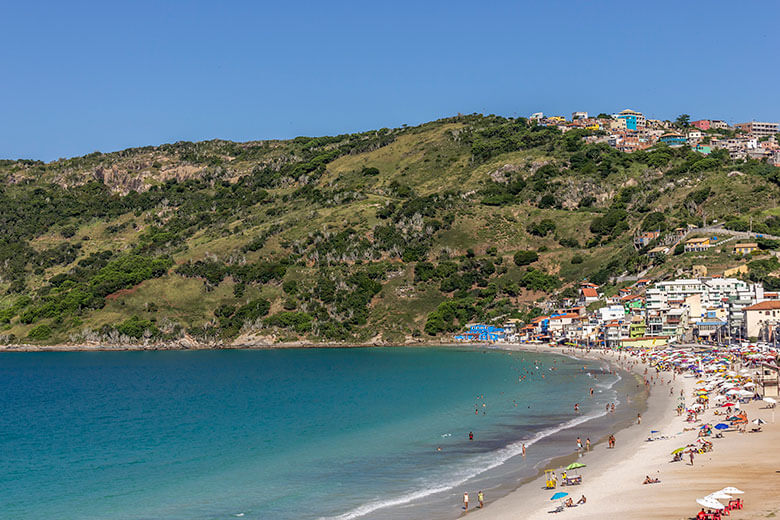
x,y
697,244
745,248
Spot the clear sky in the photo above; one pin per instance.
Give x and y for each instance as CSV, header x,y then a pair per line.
x,y
85,76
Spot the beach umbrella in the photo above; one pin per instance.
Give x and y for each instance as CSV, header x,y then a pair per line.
x,y
721,426
559,494
732,490
575,465
727,404
719,495
709,503
678,450
758,421
770,400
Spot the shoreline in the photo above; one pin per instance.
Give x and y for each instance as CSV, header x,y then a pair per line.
x,y
67,347
530,498
612,480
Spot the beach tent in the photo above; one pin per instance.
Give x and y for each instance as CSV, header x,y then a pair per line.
x,y
758,421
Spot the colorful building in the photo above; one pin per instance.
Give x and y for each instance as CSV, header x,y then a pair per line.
x,y
702,124
673,139
697,244
745,248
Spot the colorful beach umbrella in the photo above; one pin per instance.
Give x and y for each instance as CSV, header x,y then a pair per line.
x,y
721,426
575,465
558,495
678,450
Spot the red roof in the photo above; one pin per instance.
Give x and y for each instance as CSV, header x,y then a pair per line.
x,y
563,316
589,292
764,306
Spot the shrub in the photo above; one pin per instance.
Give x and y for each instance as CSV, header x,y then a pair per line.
x,y
525,257
41,332
542,228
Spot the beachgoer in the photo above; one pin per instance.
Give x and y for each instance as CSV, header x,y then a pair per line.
x,y
582,500
691,454
587,444
613,407
591,390
481,498
579,444
577,407
639,418
471,436
523,450
569,502
466,501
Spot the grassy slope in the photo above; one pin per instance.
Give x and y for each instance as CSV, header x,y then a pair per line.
x,y
429,160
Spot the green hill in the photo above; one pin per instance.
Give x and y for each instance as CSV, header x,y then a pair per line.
x,y
393,235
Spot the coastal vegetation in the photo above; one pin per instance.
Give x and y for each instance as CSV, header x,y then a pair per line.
x,y
395,235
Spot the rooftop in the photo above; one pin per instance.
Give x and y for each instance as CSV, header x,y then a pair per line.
x,y
764,306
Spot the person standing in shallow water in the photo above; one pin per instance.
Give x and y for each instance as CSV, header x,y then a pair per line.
x,y
466,501
481,498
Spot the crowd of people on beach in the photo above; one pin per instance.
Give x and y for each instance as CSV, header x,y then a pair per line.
x,y
718,385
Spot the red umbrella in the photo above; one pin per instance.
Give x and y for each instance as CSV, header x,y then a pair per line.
x,y
727,404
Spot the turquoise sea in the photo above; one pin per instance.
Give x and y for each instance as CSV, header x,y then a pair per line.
x,y
283,434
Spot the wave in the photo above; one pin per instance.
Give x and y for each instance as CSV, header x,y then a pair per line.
x,y
494,460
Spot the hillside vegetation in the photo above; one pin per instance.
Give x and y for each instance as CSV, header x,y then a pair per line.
x,y
393,235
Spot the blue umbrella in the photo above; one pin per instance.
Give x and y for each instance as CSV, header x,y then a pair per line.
x,y
653,431
559,494
721,426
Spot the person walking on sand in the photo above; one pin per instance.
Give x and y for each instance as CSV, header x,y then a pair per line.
x,y
466,501
587,444
639,418
691,454
481,498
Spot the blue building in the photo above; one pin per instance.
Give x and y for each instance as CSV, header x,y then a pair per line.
x,y
673,139
634,119
481,332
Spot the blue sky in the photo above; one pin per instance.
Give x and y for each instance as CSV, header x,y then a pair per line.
x,y
85,76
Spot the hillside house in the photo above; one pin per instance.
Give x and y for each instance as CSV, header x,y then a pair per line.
x,y
660,250
644,239
588,295
745,248
697,244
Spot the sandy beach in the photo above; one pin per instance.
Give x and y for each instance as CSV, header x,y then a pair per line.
x,y
612,480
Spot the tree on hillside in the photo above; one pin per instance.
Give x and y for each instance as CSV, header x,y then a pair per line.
x,y
683,120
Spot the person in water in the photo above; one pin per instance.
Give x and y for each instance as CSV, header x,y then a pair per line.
x,y
466,501
471,436
481,498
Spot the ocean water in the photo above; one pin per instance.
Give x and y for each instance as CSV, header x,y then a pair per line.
x,y
283,434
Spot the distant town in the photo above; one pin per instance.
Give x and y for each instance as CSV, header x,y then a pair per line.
x,y
718,309
629,131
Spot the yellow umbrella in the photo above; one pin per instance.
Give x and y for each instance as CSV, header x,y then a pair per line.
x,y
678,450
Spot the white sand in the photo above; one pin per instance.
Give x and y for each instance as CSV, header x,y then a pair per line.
x,y
612,480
